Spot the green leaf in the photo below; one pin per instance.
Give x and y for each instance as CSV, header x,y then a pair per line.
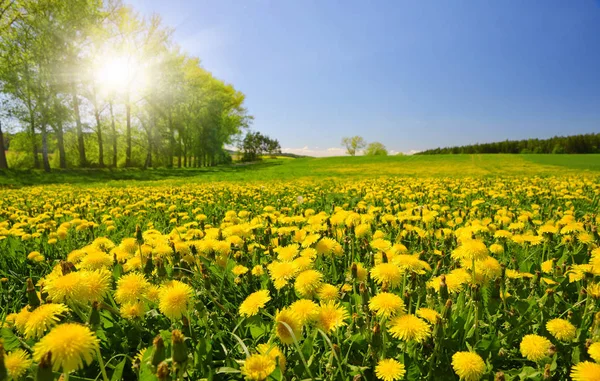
x,y
11,342
118,372
226,369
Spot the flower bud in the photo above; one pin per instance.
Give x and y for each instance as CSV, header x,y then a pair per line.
x,y
138,235
148,266
44,370
377,340
547,373
94,320
443,288
158,353
178,349
354,270
499,376
447,310
162,372
32,297
364,293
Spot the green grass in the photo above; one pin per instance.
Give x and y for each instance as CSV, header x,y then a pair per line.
x,y
323,168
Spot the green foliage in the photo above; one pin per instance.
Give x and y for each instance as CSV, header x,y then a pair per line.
x,y
376,149
169,111
587,143
353,144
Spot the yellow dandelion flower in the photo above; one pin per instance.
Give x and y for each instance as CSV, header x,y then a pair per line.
x,y
67,288
254,302
547,266
330,316
258,367
386,304
287,253
388,273
594,351
328,246
409,328
305,310
496,249
96,260
585,371
239,270
130,287
20,319
468,366
17,363
432,316
96,284
70,344
303,263
175,299
470,249
133,310
286,320
389,370
535,347
42,319
561,329
274,353
281,273
258,270
308,282
328,292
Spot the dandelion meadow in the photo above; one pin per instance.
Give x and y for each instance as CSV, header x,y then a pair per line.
x,y
442,276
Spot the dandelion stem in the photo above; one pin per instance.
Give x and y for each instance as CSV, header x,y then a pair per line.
x,y
102,367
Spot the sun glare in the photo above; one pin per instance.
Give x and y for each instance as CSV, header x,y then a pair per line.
x,y
116,74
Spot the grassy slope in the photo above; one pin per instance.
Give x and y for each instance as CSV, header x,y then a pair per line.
x,y
334,167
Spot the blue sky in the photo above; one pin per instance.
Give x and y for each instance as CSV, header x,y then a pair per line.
x,y
410,74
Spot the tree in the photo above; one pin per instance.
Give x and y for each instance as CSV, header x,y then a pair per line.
x,y
256,144
68,68
376,149
353,144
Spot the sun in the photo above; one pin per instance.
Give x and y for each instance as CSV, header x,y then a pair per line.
x,y
120,74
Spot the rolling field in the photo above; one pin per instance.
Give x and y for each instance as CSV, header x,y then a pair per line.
x,y
472,267
322,168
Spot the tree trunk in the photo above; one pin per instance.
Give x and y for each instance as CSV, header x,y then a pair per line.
x,y
80,141
100,144
185,157
128,150
45,160
3,162
60,142
36,160
179,151
171,142
149,154
114,135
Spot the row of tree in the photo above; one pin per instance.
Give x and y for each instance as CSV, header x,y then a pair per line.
x,y
256,144
587,143
91,83
356,144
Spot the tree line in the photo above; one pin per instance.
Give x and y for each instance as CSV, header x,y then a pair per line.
x,y
91,83
585,143
356,144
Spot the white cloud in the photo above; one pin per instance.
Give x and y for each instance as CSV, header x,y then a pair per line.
x,y
316,151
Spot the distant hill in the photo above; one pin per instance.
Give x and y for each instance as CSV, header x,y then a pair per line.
x,y
285,154
587,143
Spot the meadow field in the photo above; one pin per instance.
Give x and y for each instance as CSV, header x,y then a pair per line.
x,y
470,267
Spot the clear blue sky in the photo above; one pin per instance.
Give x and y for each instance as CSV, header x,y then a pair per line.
x,y
410,74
